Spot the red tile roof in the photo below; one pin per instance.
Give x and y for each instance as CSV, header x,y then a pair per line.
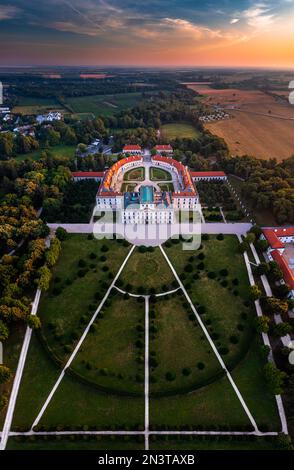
x,y
107,181
287,271
88,174
204,174
273,235
189,189
129,148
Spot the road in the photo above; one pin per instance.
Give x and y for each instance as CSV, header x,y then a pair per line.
x,y
154,234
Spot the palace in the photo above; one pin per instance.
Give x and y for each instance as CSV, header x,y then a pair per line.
x,y
147,202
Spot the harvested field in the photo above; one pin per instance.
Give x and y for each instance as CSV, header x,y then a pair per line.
x,y
262,125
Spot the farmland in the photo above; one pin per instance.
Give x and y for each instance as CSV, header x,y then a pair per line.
x,y
261,124
31,105
103,105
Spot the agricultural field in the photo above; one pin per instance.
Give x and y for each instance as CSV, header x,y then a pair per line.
x,y
182,130
261,124
32,105
103,105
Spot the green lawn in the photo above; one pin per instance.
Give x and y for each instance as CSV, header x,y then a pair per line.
x,y
136,174
179,344
103,105
76,443
109,356
227,313
76,290
215,404
128,187
158,174
206,443
66,151
75,404
148,271
11,350
178,129
168,187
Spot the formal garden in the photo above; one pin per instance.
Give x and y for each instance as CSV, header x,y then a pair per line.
x,y
135,174
158,174
104,385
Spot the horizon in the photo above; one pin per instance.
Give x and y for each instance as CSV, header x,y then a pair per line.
x,y
161,34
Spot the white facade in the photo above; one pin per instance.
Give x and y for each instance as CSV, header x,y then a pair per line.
x,y
49,117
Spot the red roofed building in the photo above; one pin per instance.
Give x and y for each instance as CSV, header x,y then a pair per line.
x,y
132,149
164,149
208,176
277,237
279,240
287,271
87,175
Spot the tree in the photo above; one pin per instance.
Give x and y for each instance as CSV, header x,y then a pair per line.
x,y
282,329
276,306
4,331
45,278
61,234
262,324
5,374
255,292
275,378
52,254
34,322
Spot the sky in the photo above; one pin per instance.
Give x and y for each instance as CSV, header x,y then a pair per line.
x,y
226,33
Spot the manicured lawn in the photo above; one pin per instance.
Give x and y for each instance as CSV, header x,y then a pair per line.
x,y
109,356
168,187
76,443
249,377
103,105
178,129
80,279
147,270
66,151
157,174
180,347
215,404
128,187
227,313
74,403
11,351
206,443
136,174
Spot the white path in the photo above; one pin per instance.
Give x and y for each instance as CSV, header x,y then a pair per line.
x,y
223,215
286,340
140,433
265,336
72,356
18,376
237,391
146,388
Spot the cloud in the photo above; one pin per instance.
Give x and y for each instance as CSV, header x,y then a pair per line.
x,y
8,12
234,20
